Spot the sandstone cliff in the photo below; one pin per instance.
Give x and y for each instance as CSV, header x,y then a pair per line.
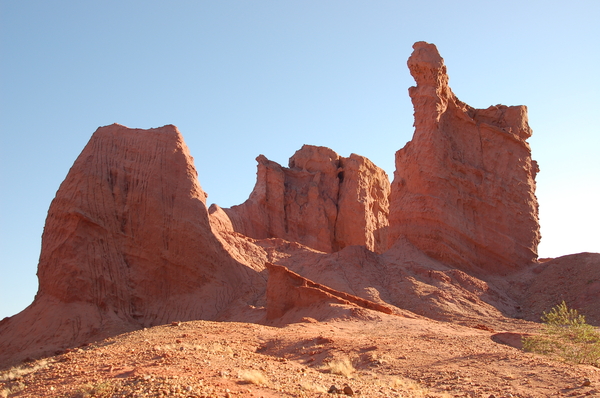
x,y
127,244
464,186
323,200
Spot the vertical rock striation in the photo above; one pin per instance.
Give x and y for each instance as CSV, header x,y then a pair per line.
x,y
463,189
127,243
322,200
128,230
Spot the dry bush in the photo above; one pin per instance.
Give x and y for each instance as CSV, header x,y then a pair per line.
x,y
412,386
8,391
102,390
10,376
341,366
254,377
313,387
19,371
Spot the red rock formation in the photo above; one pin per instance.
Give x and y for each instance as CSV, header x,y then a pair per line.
x,y
322,200
127,243
463,189
287,290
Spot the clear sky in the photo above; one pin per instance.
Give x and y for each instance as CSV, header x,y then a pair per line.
x,y
243,78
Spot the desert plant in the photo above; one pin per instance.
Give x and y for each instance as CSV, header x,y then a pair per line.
x,y
408,385
254,377
341,366
313,387
23,370
566,333
102,390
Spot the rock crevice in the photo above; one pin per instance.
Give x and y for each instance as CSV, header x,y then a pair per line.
x,y
322,200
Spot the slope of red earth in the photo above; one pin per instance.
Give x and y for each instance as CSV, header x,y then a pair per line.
x,y
370,353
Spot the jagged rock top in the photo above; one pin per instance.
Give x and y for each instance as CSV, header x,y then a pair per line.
x,y
464,186
427,66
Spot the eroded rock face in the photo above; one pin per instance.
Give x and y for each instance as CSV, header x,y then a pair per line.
x,y
287,290
127,242
129,227
322,200
463,189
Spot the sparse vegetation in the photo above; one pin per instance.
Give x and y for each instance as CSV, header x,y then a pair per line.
x,y
413,387
102,390
8,391
566,334
254,377
341,366
313,387
11,377
22,370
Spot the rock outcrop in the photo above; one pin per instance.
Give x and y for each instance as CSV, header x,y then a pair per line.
x,y
127,244
288,291
323,200
463,189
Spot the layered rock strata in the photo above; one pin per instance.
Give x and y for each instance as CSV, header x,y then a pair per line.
x,y
463,189
323,200
127,243
287,290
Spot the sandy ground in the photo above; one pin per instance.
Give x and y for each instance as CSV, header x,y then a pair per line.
x,y
371,355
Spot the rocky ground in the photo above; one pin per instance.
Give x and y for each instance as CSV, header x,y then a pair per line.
x,y
367,355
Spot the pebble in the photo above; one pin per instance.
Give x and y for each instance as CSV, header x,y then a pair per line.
x,y
587,382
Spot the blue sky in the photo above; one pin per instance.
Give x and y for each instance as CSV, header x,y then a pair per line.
x,y
243,78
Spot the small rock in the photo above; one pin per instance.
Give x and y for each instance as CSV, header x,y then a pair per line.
x,y
348,390
333,390
587,382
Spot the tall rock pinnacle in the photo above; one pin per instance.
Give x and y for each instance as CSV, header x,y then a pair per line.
x,y
464,186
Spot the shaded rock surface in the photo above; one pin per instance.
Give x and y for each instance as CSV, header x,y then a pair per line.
x,y
323,200
287,290
464,186
127,244
574,278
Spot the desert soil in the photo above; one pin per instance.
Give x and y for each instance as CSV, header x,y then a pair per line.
x,y
373,355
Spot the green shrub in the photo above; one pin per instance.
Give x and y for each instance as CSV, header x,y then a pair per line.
x,y
566,334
